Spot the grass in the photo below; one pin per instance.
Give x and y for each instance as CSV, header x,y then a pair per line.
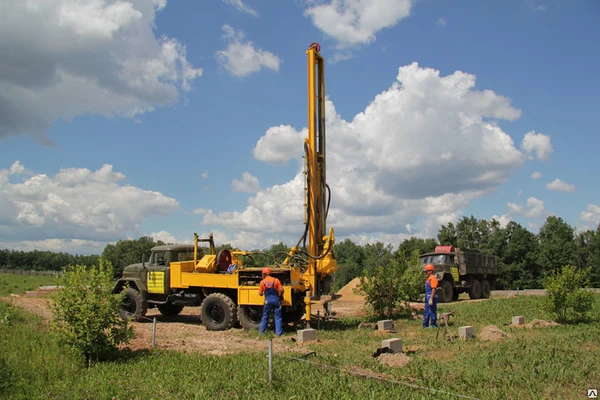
x,y
552,362
19,284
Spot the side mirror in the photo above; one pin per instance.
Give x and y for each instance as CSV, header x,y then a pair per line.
x,y
143,258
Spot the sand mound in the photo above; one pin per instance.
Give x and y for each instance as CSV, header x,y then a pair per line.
x,y
394,360
492,333
347,292
540,323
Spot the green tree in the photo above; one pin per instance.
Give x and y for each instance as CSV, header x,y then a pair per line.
x,y
408,246
350,259
391,284
86,312
588,254
566,297
519,262
557,245
447,236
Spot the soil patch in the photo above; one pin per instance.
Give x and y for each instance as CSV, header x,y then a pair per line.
x,y
492,333
394,360
540,323
347,292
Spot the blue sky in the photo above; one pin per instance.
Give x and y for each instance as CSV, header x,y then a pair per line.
x,y
123,118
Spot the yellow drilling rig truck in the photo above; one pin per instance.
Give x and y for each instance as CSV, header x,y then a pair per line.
x,y
227,291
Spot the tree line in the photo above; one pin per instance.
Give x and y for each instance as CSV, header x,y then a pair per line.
x,y
525,258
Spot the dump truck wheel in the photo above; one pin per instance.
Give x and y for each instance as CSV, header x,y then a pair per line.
x,y
133,305
475,289
446,291
250,317
485,289
169,310
218,312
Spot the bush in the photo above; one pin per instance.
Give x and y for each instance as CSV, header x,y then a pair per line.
x,y
86,312
390,287
566,298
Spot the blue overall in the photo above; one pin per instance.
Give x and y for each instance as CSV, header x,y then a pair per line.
x,y
272,302
430,313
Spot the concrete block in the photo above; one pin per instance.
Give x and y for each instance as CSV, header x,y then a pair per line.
x,y
385,325
520,320
395,345
306,335
466,332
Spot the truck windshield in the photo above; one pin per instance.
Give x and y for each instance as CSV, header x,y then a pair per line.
x,y
437,259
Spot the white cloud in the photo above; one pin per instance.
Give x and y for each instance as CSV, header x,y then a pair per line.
x,y
242,7
539,144
279,145
418,154
355,22
97,57
561,186
17,168
248,184
242,58
76,204
536,175
205,174
441,22
591,217
165,236
533,208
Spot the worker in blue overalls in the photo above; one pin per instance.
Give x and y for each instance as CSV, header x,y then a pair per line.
x,y
271,288
431,285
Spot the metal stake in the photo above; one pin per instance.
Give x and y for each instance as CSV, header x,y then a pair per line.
x,y
318,319
154,332
270,360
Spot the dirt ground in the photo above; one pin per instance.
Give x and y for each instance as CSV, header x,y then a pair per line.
x,y
186,333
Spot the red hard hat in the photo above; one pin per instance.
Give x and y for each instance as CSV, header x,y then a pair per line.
x,y
429,267
266,271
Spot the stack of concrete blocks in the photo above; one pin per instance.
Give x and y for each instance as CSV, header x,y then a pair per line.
x,y
307,335
520,320
466,332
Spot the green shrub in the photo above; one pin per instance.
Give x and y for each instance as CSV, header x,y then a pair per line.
x,y
566,298
388,288
86,312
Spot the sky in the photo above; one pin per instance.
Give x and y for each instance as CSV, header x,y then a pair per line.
x,y
129,118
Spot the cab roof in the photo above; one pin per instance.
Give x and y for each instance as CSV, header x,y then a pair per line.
x,y
174,247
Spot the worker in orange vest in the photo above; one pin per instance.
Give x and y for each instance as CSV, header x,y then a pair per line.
x,y
272,289
431,286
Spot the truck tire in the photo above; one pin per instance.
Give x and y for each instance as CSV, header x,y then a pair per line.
x,y
250,317
445,291
218,312
486,289
133,305
475,289
169,310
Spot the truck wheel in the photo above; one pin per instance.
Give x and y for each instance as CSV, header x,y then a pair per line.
x,y
133,305
485,289
169,310
446,291
475,289
218,312
250,316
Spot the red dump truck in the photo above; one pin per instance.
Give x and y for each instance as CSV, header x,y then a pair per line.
x,y
462,270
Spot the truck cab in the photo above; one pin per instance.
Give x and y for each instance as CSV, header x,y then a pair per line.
x,y
147,283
